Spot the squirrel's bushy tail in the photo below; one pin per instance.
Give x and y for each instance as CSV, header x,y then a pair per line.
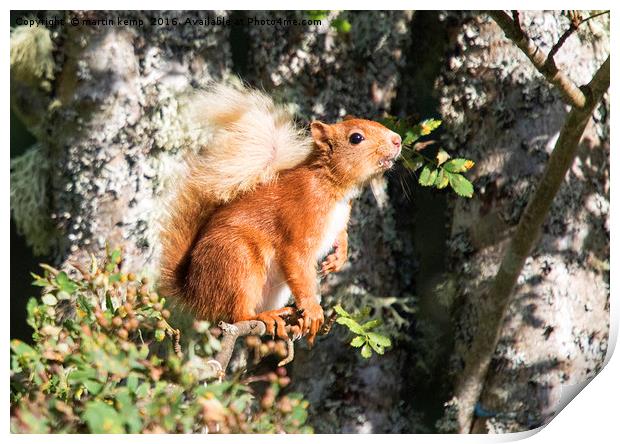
x,y
250,139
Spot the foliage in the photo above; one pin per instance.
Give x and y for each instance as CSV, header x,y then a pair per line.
x,y
104,361
341,25
364,338
439,172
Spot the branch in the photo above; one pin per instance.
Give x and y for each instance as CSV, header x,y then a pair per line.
x,y
231,332
544,64
472,379
572,28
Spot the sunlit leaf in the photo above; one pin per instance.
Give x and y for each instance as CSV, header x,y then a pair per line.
x,y
461,186
379,339
366,351
358,341
458,165
351,324
442,156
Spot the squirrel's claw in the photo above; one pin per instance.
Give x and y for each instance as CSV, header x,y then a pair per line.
x,y
274,324
312,320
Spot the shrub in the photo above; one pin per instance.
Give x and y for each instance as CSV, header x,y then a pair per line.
x,y
105,359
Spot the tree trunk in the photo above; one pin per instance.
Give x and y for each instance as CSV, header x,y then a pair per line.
x,y
507,117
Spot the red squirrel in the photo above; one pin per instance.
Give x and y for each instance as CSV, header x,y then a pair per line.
x,y
261,205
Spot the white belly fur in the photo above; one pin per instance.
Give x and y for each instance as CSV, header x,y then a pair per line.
x,y
336,222
276,292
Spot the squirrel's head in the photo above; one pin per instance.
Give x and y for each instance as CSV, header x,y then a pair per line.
x,y
358,149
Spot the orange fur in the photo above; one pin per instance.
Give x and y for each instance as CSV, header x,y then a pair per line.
x,y
226,254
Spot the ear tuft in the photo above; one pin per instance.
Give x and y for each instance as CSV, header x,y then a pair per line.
x,y
322,135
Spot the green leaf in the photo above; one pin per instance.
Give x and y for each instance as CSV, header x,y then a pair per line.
x,y
461,186
377,348
132,383
425,176
341,25
383,341
458,165
102,418
351,324
79,376
129,412
39,281
94,387
366,351
442,180
115,256
317,15
142,390
411,136
341,311
65,283
358,341
371,324
32,308
21,348
428,176
428,126
160,335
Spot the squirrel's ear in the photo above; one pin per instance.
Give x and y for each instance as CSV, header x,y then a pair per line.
x,y
322,135
349,117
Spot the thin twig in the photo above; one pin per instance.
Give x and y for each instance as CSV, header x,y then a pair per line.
x,y
595,15
517,20
569,90
575,23
572,28
290,353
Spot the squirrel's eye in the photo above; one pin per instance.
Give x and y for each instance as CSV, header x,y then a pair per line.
x,y
355,138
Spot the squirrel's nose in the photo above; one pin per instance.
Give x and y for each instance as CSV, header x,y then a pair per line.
x,y
396,140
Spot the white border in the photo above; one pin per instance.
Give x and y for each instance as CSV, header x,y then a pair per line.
x,y
591,417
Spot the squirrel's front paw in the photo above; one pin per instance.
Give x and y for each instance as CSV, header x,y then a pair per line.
x,y
334,261
311,320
